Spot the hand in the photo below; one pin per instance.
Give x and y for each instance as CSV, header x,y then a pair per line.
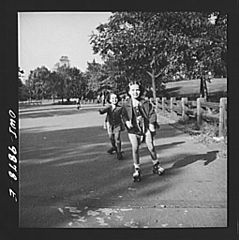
x,y
151,127
139,118
129,124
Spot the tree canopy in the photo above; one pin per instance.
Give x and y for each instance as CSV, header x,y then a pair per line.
x,y
150,47
163,45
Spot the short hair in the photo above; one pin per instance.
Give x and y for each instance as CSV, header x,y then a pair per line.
x,y
135,83
109,94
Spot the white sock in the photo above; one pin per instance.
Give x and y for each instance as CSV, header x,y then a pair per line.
x,y
155,161
136,165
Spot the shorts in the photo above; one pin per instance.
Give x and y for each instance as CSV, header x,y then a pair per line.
x,y
111,129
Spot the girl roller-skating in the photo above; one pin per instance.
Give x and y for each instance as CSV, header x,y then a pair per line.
x,y
140,120
114,124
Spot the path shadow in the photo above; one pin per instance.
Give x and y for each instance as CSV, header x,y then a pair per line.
x,y
53,113
144,150
43,109
71,167
207,158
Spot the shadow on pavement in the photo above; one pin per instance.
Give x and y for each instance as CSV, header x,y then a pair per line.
x,y
144,151
50,113
71,167
207,158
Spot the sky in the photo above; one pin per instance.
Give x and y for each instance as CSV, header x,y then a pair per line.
x,y
43,37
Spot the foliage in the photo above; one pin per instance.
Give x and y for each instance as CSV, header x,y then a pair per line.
x,y
97,79
38,83
22,89
68,82
64,82
165,45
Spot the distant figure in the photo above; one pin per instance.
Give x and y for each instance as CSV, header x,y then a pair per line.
x,y
79,104
82,100
114,123
98,98
103,99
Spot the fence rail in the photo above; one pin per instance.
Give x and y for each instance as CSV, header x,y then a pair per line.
x,y
200,110
32,102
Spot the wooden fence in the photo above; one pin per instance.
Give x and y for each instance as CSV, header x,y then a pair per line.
x,y
32,102
200,110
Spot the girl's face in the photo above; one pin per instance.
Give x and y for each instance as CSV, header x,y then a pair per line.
x,y
113,99
134,91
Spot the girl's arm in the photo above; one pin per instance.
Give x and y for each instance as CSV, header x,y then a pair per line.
x,y
152,114
104,110
153,123
125,118
124,114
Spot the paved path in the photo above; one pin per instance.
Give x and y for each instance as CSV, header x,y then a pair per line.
x,y
68,179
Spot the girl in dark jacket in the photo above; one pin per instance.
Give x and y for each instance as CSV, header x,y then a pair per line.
x,y
140,120
114,123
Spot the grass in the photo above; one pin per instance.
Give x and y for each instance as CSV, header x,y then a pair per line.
x,y
203,134
191,88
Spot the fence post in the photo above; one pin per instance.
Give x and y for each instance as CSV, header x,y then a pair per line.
x,y
183,101
172,99
222,116
199,111
163,104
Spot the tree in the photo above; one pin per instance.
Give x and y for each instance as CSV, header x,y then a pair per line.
x,y
138,41
116,79
22,89
206,49
38,82
78,84
96,78
161,45
68,81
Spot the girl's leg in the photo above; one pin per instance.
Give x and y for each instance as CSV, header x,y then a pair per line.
x,y
118,144
150,144
112,141
111,137
135,140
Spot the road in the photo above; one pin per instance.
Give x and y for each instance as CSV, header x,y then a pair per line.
x,y
68,180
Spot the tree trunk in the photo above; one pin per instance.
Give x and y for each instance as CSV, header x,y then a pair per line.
x,y
153,85
201,88
205,89
152,75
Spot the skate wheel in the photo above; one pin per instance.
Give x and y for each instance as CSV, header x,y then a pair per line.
x,y
158,172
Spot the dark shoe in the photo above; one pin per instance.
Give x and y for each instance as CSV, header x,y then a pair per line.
x,y
119,156
137,175
112,150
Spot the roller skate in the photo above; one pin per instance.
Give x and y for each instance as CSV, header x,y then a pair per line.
x,y
112,150
157,169
137,175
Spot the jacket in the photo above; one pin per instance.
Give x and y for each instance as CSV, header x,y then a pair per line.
x,y
147,111
113,117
